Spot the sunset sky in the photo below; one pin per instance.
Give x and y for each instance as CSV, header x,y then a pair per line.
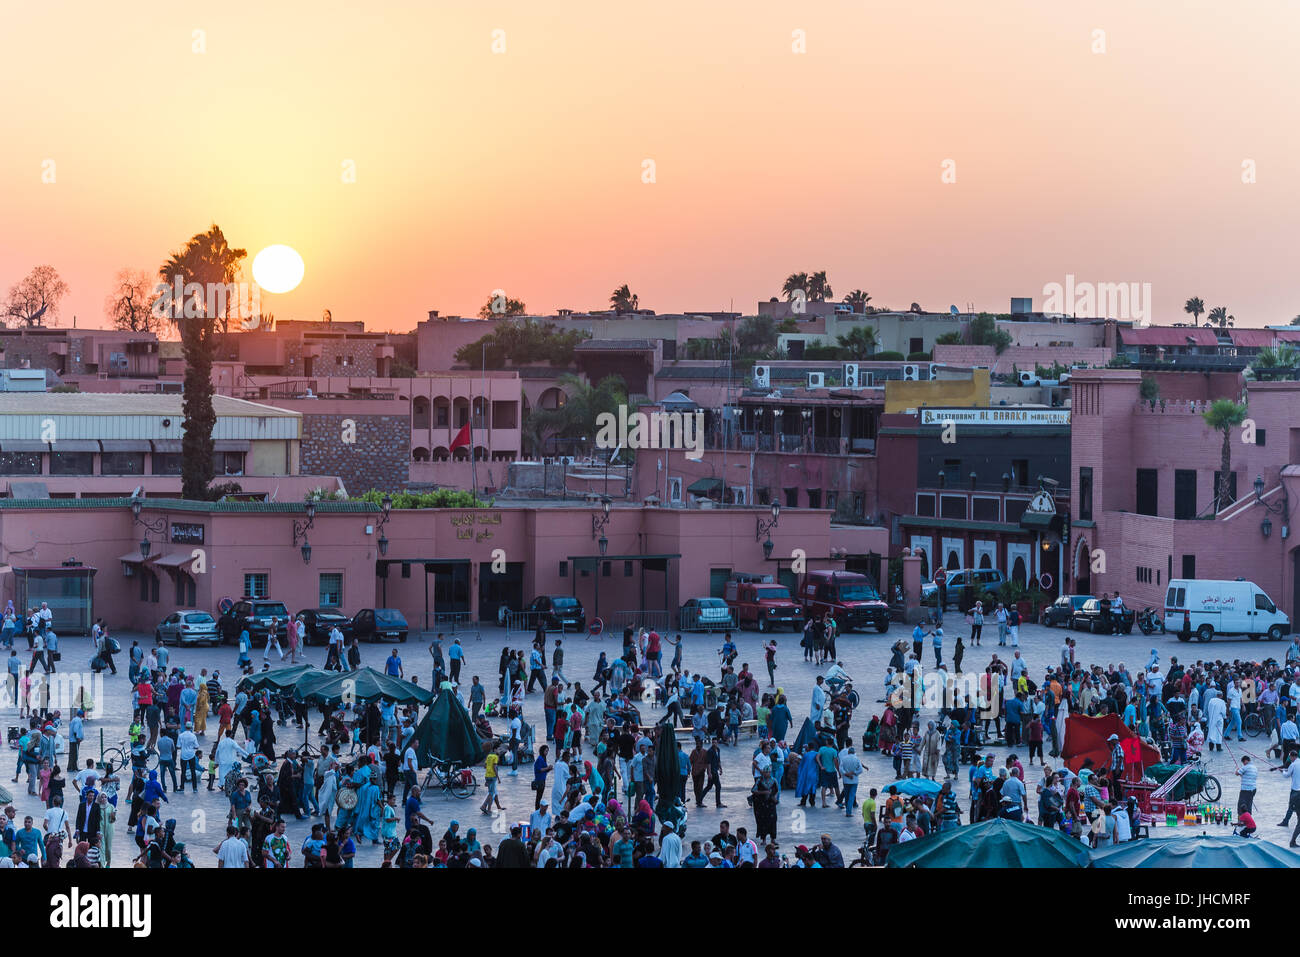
x,y
522,170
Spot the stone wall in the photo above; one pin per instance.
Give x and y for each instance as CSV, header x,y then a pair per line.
x,y
379,457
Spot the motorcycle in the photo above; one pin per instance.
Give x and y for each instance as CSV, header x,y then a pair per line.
x,y
1148,621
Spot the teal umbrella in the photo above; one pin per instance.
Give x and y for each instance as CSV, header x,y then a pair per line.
x,y
357,687
447,733
277,680
1201,850
996,843
912,786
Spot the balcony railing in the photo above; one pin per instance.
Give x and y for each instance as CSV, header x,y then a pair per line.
x,y
796,444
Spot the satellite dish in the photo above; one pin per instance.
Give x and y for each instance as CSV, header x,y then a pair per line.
x,y
954,310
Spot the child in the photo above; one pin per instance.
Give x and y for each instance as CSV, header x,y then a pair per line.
x,y
212,766
388,830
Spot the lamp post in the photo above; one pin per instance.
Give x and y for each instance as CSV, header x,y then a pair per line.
x,y
300,531
156,526
1282,508
386,507
765,528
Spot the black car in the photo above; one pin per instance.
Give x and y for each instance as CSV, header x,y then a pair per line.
x,y
317,623
558,613
379,624
1061,612
1088,618
255,614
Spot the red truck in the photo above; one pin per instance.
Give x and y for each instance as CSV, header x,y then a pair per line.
x,y
848,597
758,602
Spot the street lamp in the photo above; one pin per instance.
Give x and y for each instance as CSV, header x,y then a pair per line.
x,y
764,528
145,547
300,528
599,522
386,508
156,526
604,545
767,547
1266,527
306,552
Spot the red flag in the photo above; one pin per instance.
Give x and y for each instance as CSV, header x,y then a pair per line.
x,y
462,438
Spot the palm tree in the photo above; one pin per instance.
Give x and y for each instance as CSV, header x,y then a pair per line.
x,y
819,287
1219,316
623,299
860,341
207,259
1224,415
796,282
858,299
1281,360
1195,307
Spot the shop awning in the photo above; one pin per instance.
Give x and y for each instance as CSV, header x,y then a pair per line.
x,y
176,560
125,445
23,445
135,558
172,446
75,445
1040,521
704,486
231,445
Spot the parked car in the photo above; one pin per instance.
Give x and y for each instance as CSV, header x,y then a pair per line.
x,y
1061,612
1222,608
317,623
964,586
705,614
558,613
1088,618
378,624
255,614
850,598
188,626
763,605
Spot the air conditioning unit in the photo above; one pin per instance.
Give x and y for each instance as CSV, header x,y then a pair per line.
x,y
762,377
816,380
913,373
856,377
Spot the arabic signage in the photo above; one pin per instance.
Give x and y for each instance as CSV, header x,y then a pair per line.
x,y
465,522
995,416
185,533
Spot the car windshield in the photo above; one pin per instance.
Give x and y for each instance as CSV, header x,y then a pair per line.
x,y
199,618
270,609
858,593
389,616
565,602
774,591
712,603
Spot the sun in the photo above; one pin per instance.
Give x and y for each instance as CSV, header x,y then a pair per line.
x,y
278,268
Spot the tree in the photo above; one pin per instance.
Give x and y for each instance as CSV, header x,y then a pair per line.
x,y
576,418
34,300
1224,416
1194,306
207,259
519,341
858,299
1219,317
796,282
129,306
950,339
819,287
916,307
1276,362
756,337
984,331
860,341
501,306
1296,321
624,299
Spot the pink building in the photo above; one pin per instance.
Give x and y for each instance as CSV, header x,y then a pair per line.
x,y
438,562
1144,479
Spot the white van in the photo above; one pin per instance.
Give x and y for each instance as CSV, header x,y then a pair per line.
x,y
1223,608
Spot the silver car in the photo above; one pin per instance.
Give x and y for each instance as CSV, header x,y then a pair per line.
x,y
188,627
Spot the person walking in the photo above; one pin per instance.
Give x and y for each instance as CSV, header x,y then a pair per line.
x,y
1001,616
1249,775
769,656
976,624
272,641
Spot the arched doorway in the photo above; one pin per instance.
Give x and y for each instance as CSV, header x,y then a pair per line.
x,y
1082,568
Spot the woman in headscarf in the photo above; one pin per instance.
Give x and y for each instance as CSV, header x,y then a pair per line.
x,y
189,702
644,819
367,817
806,785
107,818
201,708
288,787
517,695
79,858
266,741
765,798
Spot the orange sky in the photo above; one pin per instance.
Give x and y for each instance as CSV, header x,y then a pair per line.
x,y
522,170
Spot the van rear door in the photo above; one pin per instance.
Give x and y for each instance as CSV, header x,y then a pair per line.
x,y
1175,604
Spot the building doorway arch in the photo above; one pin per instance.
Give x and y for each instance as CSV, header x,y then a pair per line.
x,y
1082,568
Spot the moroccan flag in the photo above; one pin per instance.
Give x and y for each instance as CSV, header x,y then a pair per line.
x,y
462,438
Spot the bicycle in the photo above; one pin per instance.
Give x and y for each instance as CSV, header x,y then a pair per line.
x,y
1211,790
449,776
114,759
1253,724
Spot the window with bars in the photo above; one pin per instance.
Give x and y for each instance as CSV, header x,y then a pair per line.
x,y
257,584
331,589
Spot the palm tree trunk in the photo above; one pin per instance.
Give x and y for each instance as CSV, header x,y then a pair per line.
x,y
1225,464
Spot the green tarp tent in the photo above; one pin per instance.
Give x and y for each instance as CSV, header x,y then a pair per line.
x,y
277,680
356,687
1217,851
446,732
996,843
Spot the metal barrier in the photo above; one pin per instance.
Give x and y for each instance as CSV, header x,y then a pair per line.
x,y
688,620
526,622
650,619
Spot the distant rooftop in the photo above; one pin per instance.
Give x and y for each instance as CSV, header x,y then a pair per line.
x,y
124,403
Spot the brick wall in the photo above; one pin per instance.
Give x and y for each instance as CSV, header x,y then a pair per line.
x,y
1023,358
379,458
